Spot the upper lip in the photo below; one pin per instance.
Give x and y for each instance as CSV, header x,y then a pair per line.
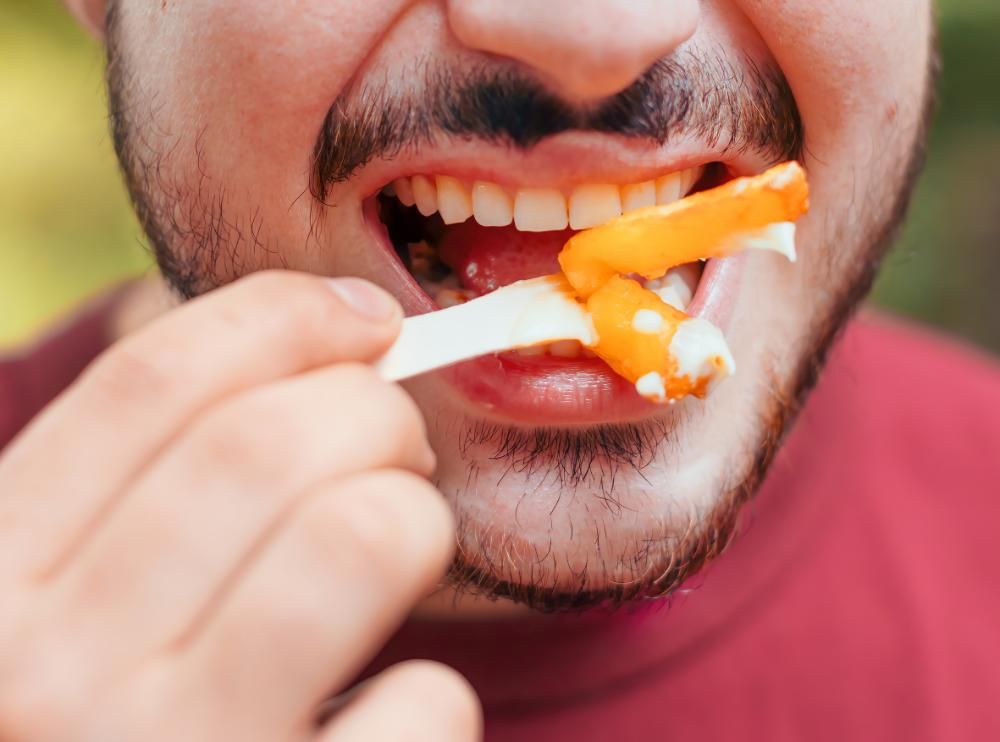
x,y
559,162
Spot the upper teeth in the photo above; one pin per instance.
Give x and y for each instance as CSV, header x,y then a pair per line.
x,y
538,209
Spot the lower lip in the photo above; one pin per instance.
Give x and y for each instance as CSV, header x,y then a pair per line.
x,y
557,391
547,390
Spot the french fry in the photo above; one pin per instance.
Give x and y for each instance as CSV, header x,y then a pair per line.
x,y
664,352
648,242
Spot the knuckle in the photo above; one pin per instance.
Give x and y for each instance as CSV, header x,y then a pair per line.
x,y
420,502
405,413
241,437
344,523
407,422
410,515
133,367
444,695
390,521
398,425
265,427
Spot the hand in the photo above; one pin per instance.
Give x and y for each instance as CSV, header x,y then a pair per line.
x,y
218,525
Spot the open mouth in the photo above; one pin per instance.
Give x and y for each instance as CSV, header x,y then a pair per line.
x,y
462,239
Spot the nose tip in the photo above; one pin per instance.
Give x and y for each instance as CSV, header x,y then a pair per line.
x,y
585,49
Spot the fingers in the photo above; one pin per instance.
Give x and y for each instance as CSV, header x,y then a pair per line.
x,y
93,440
325,592
411,702
197,513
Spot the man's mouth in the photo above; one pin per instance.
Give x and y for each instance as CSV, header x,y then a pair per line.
x,y
460,239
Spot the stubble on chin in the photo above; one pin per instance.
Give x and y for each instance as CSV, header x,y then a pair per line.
x,y
599,571
586,519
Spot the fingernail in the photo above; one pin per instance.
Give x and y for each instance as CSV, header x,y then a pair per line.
x,y
365,298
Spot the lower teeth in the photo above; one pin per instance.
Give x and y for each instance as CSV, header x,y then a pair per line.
x,y
450,297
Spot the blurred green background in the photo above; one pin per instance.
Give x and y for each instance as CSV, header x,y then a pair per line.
x,y
66,229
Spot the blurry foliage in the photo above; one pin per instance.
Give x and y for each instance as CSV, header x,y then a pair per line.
x,y
945,269
66,229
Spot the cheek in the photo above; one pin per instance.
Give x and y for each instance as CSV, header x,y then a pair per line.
x,y
244,85
857,69
845,59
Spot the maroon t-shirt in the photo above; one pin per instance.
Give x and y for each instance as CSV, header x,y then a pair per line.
x,y
861,602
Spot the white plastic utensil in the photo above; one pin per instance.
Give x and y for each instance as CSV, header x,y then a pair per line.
x,y
524,313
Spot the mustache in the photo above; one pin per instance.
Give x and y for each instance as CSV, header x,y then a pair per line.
x,y
740,105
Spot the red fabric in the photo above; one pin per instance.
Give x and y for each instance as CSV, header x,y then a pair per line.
x,y
29,380
861,602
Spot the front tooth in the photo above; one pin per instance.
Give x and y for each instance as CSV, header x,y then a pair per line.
x,y
540,210
689,177
454,202
668,189
404,191
638,196
566,349
491,205
591,205
424,194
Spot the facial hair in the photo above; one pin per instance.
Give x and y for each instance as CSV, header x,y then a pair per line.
x,y
192,235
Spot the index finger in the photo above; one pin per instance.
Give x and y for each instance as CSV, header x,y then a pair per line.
x,y
88,444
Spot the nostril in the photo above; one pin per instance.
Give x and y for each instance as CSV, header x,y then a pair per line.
x,y
585,49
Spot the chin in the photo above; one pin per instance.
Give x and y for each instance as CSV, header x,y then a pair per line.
x,y
571,491
599,514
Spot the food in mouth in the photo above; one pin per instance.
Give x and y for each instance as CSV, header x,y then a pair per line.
x,y
664,352
631,273
711,224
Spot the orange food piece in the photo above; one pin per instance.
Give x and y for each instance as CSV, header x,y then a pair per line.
x,y
629,352
648,242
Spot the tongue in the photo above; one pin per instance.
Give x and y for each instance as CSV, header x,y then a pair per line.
x,y
486,258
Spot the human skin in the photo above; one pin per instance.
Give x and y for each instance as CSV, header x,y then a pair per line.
x,y
219,109
134,612
221,104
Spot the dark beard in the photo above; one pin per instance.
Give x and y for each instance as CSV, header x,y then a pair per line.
x,y
201,243
587,462
663,564
180,215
